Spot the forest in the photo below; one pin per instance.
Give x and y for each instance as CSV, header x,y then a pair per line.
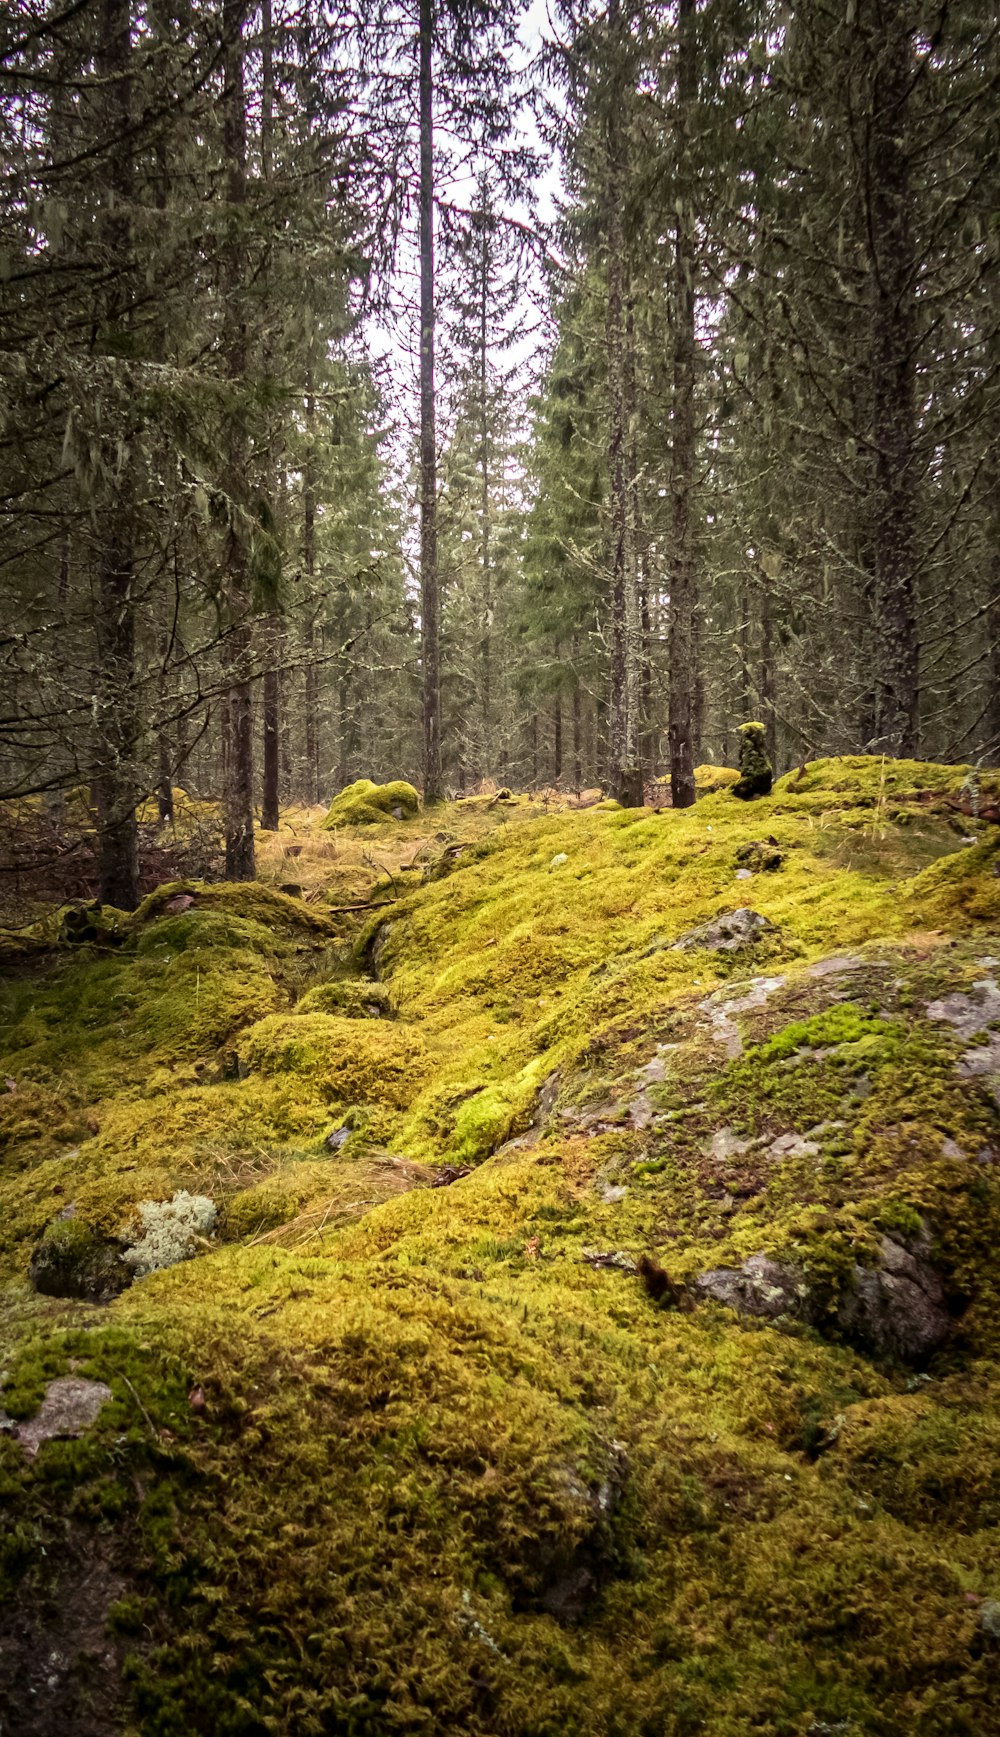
x,y
483,394
499,868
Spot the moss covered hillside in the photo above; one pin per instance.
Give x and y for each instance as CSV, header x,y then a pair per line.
x,y
544,1280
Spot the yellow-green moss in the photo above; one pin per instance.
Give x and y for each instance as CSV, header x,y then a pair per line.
x,y
418,1410
365,803
343,1060
351,998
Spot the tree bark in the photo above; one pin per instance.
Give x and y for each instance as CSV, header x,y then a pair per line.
x,y
116,700
683,584
626,615
271,698
309,568
238,786
893,370
767,684
430,650
486,659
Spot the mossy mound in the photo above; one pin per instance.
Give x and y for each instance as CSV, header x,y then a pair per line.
x,y
240,901
449,1434
366,804
709,778
338,1058
349,998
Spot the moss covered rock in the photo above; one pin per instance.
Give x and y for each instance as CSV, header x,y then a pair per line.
x,y
344,1060
351,998
756,772
365,803
71,1259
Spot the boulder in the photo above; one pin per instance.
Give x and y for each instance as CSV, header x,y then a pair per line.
x,y
898,1309
761,1286
365,803
727,933
70,1405
72,1260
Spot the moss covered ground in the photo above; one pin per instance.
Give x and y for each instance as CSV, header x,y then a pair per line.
x,y
437,1433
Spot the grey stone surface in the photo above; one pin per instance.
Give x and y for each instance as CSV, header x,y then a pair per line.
x,y
71,1404
761,1286
897,1309
968,1012
726,933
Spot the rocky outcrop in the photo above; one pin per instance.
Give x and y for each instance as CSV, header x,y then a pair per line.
x,y
726,934
72,1260
761,1286
896,1310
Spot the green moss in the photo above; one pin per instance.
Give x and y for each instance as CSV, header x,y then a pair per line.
x,y
367,804
841,1024
359,1451
350,999
71,1260
340,1059
756,771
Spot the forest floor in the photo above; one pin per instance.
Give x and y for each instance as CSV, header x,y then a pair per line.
x,y
580,1332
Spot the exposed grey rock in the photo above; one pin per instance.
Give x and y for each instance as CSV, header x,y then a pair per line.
x,y
761,1286
612,1257
897,1309
839,964
989,1617
982,1061
612,1193
726,933
968,1012
71,1404
720,1010
795,1146
726,1144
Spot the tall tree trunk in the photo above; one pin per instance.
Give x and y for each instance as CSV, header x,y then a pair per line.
x,y
115,696
269,810
766,683
626,617
309,568
991,721
683,583
577,772
430,650
165,769
271,697
238,788
486,659
893,371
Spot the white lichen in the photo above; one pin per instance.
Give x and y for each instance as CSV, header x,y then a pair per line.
x,y
172,1230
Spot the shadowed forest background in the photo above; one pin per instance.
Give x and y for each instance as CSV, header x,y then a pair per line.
x,y
471,392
